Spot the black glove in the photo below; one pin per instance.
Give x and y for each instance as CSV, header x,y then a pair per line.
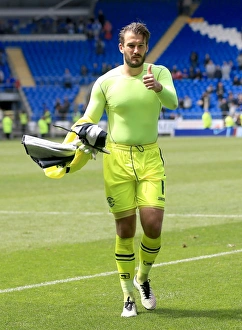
x,y
92,135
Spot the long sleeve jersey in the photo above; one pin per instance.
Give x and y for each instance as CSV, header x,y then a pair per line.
x,y
133,110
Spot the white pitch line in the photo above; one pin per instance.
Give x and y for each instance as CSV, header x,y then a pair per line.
x,y
52,212
79,278
205,215
188,215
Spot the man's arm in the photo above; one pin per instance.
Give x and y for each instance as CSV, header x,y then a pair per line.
x,y
93,113
96,105
163,86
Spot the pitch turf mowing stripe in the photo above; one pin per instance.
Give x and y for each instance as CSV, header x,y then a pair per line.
x,y
79,278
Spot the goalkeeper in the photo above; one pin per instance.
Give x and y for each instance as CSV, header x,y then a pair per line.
x,y
133,95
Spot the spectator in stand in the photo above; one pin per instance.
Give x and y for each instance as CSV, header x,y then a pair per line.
x,y
224,107
12,83
67,78
206,59
217,72
198,74
83,70
57,108
101,17
81,28
210,69
186,7
180,7
107,30
185,73
233,107
238,119
191,73
95,70
176,73
23,120
237,81
99,46
232,103
239,61
65,108
181,103
89,30
232,97
206,119
97,29
70,27
44,25
226,70
204,101
43,127
193,59
210,89
220,90
7,126
62,109
239,102
229,124
48,118
105,68
187,102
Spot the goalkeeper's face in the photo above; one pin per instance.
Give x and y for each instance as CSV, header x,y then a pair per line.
x,y
134,49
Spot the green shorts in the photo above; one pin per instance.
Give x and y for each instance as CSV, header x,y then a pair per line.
x,y
134,177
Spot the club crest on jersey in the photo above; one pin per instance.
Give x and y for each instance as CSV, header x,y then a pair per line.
x,y
111,202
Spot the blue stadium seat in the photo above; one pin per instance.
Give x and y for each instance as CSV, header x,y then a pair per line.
x,y
48,59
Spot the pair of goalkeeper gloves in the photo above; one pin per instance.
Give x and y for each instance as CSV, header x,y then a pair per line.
x,y
91,139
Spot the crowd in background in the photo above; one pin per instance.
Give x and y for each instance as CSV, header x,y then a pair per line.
x,y
207,68
7,81
92,27
99,29
229,103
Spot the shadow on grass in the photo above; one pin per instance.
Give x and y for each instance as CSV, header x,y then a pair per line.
x,y
221,314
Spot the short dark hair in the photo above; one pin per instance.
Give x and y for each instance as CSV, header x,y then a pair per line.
x,y
136,28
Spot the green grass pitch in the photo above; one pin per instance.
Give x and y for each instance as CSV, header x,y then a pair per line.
x,y
57,267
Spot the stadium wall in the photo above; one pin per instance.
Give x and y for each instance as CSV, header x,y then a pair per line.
x,y
167,127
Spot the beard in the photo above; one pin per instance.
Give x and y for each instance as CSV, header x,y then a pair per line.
x,y
135,63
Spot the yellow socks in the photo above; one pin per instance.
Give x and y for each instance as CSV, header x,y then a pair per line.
x,y
125,260
148,251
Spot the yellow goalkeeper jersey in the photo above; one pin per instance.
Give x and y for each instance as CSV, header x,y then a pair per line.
x,y
132,110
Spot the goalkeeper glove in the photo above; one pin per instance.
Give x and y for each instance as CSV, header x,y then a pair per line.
x,y
92,137
89,150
